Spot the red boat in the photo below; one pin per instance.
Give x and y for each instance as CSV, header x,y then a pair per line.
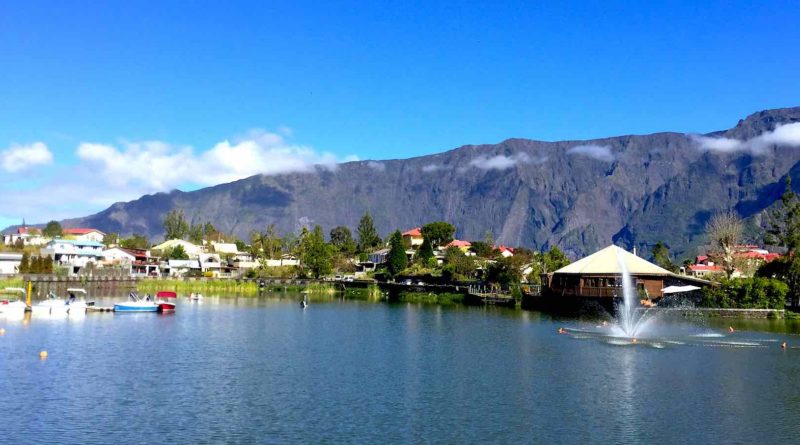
x,y
166,301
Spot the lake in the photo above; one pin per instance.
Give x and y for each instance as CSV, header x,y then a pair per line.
x,y
265,370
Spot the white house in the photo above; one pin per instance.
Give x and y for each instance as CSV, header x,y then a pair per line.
x,y
9,263
192,250
179,268
84,234
210,262
74,254
30,236
118,255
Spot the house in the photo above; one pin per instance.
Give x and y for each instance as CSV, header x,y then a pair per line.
x,y
29,236
210,264
137,261
379,256
117,256
413,237
505,252
461,245
83,234
9,263
179,268
599,276
192,250
74,254
284,260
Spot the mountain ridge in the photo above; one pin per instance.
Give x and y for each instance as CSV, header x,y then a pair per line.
x,y
578,194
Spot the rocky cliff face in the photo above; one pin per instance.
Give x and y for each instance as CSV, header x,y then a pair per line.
x,y
579,195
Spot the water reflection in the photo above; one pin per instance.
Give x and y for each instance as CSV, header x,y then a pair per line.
x,y
264,370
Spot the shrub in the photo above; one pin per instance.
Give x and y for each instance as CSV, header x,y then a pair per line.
x,y
746,293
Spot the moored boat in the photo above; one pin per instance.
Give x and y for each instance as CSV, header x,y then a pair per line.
x,y
53,305
13,305
166,301
136,304
77,301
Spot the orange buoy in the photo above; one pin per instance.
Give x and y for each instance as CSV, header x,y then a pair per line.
x,y
730,329
43,355
783,345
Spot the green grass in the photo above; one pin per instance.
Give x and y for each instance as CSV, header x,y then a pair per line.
x,y
11,282
232,287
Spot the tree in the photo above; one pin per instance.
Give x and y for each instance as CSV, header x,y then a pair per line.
x,y
25,263
175,225
439,233
47,264
784,231
195,234
178,253
396,261
504,272
457,265
725,233
111,238
316,254
135,241
342,239
19,244
661,256
425,252
53,229
36,265
482,249
554,259
368,237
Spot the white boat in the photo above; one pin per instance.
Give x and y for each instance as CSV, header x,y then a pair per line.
x,y
13,305
195,296
53,305
77,301
136,304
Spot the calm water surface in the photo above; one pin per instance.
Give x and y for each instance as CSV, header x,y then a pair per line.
x,y
264,370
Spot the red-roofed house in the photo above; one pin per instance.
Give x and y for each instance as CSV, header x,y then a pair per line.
x,y
704,270
413,237
30,236
505,252
460,244
83,234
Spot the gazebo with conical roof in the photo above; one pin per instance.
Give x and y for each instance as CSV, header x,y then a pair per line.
x,y
599,275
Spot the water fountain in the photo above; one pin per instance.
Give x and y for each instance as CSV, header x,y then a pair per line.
x,y
631,320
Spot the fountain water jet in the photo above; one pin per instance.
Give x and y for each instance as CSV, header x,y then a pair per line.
x,y
631,321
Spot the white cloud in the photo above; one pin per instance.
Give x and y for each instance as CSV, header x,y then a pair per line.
x,y
377,166
430,168
22,157
109,173
783,135
160,166
599,152
502,162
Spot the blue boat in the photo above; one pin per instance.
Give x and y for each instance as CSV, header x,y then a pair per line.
x,y
136,304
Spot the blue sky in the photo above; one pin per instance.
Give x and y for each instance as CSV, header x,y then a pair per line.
x,y
136,97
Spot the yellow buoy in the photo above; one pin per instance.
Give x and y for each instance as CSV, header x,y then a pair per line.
x,y
2,331
43,354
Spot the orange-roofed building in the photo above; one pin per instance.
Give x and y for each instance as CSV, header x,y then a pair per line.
x,y
85,234
460,244
413,237
506,252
